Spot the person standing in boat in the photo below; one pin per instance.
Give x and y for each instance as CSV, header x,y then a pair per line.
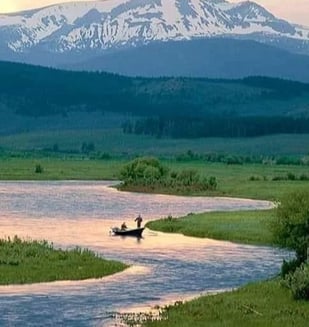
x,y
139,220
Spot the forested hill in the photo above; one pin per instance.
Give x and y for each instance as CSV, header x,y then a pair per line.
x,y
36,91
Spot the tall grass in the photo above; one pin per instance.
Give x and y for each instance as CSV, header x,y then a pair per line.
x,y
25,261
263,304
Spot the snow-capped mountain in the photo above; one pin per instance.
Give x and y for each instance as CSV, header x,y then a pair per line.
x,y
77,31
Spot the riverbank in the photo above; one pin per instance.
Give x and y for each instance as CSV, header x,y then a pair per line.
x,y
25,262
258,305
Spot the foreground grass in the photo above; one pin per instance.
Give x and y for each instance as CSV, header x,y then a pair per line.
x,y
260,304
24,262
250,227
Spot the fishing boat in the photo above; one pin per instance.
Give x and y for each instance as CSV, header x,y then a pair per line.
x,y
137,232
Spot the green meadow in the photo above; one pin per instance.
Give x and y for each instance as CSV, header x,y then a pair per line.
x,y
26,261
16,168
249,227
116,143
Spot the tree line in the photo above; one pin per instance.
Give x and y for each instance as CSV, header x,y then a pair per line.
x,y
216,126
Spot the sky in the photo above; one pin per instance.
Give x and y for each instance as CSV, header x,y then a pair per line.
x,y
296,11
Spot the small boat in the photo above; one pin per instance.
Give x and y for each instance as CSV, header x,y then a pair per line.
x,y
137,232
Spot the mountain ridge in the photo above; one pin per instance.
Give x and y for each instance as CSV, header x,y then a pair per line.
x,y
114,24
201,58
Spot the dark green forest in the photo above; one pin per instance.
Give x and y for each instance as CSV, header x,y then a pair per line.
x,y
216,126
165,107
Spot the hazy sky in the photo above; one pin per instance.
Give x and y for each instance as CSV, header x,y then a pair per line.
x,y
293,10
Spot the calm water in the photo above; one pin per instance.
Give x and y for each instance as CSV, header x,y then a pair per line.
x,y
164,267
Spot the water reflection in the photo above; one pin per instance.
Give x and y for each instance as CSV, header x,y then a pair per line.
x,y
164,266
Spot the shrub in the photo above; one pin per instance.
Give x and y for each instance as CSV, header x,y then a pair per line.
x,y
279,178
105,156
304,177
38,169
291,176
188,177
212,181
288,267
87,147
234,160
254,178
298,282
143,171
291,225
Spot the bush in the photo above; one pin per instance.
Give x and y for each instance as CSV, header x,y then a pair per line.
x,y
304,177
298,282
254,178
143,171
234,160
212,182
38,169
290,227
150,173
291,176
289,267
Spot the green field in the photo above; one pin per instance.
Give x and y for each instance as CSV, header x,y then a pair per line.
x,y
23,261
250,227
114,142
59,169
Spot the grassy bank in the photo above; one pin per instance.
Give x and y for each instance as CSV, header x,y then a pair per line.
x,y
24,262
258,305
250,227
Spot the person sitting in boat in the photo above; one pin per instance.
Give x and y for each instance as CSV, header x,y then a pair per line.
x,y
124,226
139,220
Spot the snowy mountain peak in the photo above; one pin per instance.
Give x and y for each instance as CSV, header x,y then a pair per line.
x,y
114,24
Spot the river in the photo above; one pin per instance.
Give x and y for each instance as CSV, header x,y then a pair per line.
x,y
164,267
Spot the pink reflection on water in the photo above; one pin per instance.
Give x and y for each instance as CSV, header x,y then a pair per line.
x,y
95,234
72,286
81,214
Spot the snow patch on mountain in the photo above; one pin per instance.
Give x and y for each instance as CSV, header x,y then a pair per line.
x,y
109,24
